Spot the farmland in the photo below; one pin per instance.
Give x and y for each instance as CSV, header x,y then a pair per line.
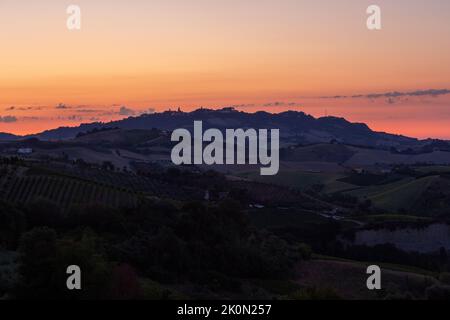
x,y
175,229
66,192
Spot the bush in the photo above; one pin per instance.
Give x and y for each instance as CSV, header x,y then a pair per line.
x,y
445,278
44,260
38,263
12,224
97,217
8,273
43,213
125,283
438,292
304,251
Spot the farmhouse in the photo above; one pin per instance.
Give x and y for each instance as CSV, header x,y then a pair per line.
x,y
25,151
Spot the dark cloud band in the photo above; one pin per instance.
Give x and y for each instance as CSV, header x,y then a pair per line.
x,y
396,94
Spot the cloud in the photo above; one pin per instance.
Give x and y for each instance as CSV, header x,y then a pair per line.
x,y
74,117
240,106
87,110
124,111
8,119
394,95
391,100
12,108
149,111
281,104
275,104
418,93
61,106
31,118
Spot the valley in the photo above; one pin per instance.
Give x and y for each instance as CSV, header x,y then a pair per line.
x,y
333,208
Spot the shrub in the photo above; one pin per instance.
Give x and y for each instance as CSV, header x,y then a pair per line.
x,y
445,278
438,292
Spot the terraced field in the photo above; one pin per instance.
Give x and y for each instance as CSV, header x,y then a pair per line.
x,y
66,192
121,180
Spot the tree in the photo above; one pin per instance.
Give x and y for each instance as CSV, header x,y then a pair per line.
x,y
438,292
108,165
42,212
12,224
125,283
44,260
38,263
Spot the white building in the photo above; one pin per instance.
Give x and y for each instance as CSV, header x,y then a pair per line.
x,y
25,151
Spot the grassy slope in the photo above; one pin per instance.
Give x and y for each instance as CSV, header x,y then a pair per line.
x,y
348,278
299,179
396,195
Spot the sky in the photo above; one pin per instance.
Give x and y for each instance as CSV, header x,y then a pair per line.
x,y
141,56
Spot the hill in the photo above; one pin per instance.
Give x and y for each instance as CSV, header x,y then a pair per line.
x,y
8,137
295,127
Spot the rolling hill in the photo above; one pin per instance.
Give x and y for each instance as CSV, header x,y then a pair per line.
x,y
295,127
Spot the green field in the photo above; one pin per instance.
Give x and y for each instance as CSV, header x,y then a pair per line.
x,y
397,195
400,194
284,218
301,179
434,169
392,217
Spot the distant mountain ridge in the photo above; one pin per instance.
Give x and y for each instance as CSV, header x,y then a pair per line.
x,y
295,126
8,136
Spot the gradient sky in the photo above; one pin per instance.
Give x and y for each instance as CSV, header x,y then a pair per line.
x,y
134,56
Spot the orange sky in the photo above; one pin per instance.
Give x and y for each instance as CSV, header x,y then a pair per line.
x,y
152,55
